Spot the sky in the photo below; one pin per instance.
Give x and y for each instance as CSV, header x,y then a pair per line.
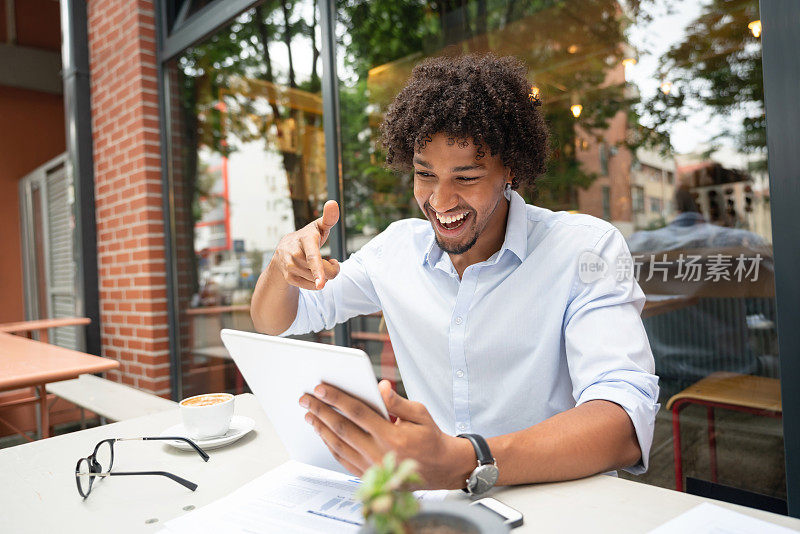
x,y
652,41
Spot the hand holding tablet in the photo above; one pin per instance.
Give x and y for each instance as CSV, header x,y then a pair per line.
x,y
279,371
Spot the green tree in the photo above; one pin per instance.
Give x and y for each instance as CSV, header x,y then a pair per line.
x,y
234,57
716,69
570,48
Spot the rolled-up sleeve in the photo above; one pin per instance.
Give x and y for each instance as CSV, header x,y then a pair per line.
x,y
608,353
350,294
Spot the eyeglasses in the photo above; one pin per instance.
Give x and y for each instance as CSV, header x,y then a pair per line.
x,y
99,463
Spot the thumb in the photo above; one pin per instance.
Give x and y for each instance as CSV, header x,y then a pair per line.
x,y
399,406
330,215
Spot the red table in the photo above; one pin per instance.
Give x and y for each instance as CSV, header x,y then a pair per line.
x,y
26,363
42,326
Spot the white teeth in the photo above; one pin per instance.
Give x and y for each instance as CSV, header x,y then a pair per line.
x,y
450,219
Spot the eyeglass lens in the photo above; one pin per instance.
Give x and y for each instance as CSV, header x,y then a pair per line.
x,y
104,456
84,482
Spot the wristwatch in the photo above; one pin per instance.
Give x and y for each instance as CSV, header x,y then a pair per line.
x,y
485,475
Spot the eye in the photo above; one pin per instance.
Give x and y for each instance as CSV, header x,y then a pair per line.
x,y
423,174
468,179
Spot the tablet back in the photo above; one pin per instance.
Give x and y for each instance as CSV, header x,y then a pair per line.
x,y
280,370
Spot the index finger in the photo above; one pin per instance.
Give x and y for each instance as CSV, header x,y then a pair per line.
x,y
354,409
314,258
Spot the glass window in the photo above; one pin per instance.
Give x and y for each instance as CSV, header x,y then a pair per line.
x,y
673,90
248,166
637,195
655,205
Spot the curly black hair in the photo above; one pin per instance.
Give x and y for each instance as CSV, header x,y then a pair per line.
x,y
483,98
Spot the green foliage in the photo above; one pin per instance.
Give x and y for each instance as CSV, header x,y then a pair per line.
x,y
387,503
570,47
716,69
225,106
375,196
381,31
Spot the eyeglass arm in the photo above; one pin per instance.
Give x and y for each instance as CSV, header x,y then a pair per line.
x,y
200,451
182,481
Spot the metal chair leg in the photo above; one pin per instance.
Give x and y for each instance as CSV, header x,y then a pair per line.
x,y
38,411
712,443
676,443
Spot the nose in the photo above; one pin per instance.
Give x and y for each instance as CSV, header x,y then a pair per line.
x,y
443,198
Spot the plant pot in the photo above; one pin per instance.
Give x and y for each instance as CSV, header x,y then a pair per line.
x,y
450,517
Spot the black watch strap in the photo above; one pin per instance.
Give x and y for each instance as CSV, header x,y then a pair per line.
x,y
481,448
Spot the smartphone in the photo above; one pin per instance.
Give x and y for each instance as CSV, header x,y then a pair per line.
x,y
511,517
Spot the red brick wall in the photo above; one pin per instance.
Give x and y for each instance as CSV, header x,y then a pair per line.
x,y
130,226
590,200
618,179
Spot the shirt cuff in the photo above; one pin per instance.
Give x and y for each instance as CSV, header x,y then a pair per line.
x,y
297,326
640,408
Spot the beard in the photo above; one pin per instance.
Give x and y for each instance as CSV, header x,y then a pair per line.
x,y
458,248
455,248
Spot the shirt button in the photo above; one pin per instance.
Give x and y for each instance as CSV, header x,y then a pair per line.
x,y
462,427
459,320
460,373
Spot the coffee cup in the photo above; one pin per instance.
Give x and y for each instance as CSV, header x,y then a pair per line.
x,y
207,416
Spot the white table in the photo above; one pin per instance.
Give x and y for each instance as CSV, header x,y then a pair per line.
x,y
38,492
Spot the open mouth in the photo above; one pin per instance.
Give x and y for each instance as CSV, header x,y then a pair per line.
x,y
451,223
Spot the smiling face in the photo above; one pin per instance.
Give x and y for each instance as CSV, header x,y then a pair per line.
x,y
462,197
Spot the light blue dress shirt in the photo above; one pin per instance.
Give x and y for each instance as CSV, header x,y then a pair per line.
x,y
518,339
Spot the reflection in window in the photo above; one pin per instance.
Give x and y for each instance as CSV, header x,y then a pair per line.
x,y
569,67
655,205
709,325
248,167
637,195
657,125
604,158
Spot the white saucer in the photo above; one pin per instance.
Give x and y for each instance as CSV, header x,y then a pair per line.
x,y
240,426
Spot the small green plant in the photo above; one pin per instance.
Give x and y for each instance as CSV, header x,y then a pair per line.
x,y
384,492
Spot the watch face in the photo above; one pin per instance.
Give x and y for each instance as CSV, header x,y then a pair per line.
x,y
483,478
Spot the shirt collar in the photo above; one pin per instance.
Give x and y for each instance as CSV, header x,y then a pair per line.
x,y
517,227
516,239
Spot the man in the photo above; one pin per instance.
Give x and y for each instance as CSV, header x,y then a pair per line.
x,y
710,332
495,334
691,231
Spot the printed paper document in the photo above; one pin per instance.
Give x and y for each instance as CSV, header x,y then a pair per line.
x,y
292,498
711,519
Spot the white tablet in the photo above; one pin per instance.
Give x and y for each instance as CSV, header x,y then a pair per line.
x,y
280,370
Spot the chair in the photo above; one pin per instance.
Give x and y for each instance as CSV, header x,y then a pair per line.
x,y
756,395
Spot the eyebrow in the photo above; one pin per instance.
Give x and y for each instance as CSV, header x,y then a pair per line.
x,y
462,168
422,162
466,168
